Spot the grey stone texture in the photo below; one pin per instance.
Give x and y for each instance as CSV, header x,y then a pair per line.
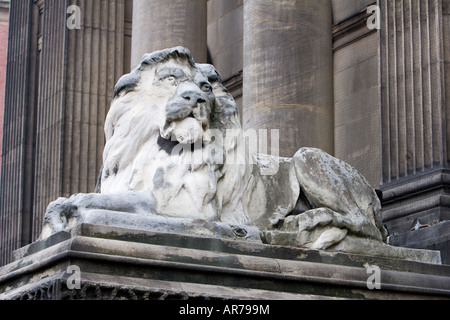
x,y
135,210
343,10
225,36
357,114
226,43
300,99
413,88
160,24
120,263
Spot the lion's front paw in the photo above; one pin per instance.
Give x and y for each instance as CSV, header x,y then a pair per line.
x,y
329,238
55,219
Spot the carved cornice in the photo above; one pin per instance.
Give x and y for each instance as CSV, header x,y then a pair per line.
x,y
351,30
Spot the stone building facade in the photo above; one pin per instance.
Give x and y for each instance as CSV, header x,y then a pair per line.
x,y
367,81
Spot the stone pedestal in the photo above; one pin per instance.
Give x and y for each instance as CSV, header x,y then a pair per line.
x,y
120,263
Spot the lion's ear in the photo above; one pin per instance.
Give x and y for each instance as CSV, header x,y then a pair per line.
x,y
210,72
127,83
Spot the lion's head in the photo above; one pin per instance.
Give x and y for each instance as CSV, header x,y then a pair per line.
x,y
163,132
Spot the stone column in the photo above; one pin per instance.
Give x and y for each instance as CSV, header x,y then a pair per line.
x,y
160,24
415,86
59,84
288,72
19,94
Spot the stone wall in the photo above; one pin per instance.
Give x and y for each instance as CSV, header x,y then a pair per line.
x,y
288,72
357,123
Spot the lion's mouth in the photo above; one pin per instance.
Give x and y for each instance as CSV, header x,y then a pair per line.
x,y
189,130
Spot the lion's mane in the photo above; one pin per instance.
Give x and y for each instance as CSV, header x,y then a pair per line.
x,y
137,158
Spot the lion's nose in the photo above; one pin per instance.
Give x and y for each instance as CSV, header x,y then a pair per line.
x,y
193,97
190,93
188,101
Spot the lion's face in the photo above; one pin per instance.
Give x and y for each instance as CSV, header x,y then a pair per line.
x,y
184,97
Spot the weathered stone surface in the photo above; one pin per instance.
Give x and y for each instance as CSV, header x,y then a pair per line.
x,y
357,109
120,263
295,96
135,210
340,196
163,24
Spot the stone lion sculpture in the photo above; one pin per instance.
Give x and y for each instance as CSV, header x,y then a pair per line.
x,y
174,152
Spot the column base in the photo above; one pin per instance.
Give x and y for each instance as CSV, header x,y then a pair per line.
x,y
416,211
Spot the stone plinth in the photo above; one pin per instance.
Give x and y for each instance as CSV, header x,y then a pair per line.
x,y
120,263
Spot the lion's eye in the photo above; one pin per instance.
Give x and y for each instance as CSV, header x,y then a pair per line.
x,y
171,79
206,87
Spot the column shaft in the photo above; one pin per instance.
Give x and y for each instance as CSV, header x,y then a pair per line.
x,y
288,72
415,86
13,182
160,24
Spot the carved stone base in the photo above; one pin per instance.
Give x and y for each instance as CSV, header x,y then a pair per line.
x,y
120,263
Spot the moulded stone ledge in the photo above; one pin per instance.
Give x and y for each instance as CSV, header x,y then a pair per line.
x,y
150,265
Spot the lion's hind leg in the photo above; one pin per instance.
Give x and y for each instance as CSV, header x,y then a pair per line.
x,y
328,182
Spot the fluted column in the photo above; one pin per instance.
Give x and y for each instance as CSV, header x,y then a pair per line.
x,y
79,71
288,72
59,88
160,24
415,86
15,159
